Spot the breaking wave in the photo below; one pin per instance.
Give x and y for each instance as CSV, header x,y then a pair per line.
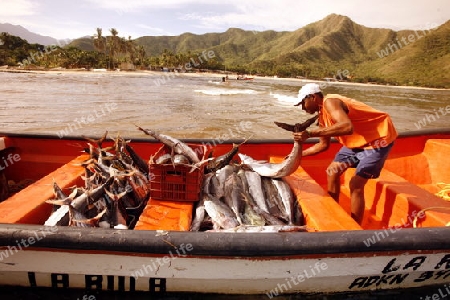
x,y
285,98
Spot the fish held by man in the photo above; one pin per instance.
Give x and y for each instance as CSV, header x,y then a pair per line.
x,y
276,170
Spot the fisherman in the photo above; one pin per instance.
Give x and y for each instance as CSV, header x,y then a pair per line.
x,y
366,134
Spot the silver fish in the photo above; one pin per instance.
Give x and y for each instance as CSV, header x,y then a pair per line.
x,y
251,217
77,219
220,213
222,176
233,196
256,190
287,197
173,143
199,215
223,160
164,159
273,199
208,187
269,219
60,217
180,159
116,218
274,170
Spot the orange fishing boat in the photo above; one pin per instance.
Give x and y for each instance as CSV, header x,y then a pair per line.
x,y
402,243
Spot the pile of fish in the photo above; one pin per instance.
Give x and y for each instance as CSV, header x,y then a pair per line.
x,y
245,196
250,196
236,198
115,191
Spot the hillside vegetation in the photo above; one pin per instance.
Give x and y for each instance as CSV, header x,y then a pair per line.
x,y
325,49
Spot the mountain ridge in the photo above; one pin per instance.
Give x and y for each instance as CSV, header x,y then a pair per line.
x,y
318,50
30,37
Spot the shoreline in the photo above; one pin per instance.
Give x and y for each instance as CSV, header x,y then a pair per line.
x,y
212,74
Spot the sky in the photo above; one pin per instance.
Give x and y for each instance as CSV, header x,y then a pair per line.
x,y
69,19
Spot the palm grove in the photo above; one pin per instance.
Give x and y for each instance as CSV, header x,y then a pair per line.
x,y
110,52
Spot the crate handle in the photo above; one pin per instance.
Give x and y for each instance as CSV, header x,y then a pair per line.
x,y
176,173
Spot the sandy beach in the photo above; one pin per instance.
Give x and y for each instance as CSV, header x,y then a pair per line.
x,y
322,83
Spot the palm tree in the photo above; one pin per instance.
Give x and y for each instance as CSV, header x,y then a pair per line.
x,y
141,55
113,45
99,41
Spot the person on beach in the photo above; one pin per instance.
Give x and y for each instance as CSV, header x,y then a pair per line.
x,y
366,134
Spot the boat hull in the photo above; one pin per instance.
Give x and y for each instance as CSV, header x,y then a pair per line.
x,y
271,263
335,255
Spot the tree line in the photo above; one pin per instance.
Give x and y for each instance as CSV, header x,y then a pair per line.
x,y
110,52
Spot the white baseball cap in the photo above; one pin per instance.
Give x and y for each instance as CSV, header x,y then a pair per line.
x,y
307,89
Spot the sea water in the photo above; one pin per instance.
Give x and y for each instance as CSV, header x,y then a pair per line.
x,y
188,105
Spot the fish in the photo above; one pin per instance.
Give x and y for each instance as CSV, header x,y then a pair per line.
x,y
176,145
77,219
299,127
251,217
222,176
199,215
164,159
140,163
223,160
233,196
180,159
115,217
269,219
116,189
273,199
207,185
220,213
98,141
256,190
60,217
276,170
287,198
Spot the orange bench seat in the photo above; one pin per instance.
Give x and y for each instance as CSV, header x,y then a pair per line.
x,y
394,201
321,212
166,215
28,206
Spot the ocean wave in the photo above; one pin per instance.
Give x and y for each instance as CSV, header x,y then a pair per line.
x,y
285,98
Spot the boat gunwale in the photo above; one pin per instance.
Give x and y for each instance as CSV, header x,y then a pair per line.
x,y
222,244
435,131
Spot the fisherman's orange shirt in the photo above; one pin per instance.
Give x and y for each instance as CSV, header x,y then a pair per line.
x,y
371,128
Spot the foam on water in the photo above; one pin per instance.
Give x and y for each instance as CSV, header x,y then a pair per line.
x,y
285,99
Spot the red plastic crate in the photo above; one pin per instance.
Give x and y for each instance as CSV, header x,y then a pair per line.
x,y
176,182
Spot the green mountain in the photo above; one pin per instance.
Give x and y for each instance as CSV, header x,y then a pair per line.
x,y
321,49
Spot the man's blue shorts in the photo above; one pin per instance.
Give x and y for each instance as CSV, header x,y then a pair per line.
x,y
368,162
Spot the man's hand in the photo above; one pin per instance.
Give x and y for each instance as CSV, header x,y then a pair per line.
x,y
301,136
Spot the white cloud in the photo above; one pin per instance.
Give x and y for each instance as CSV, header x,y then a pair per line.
x,y
153,30
136,5
174,17
293,14
16,8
